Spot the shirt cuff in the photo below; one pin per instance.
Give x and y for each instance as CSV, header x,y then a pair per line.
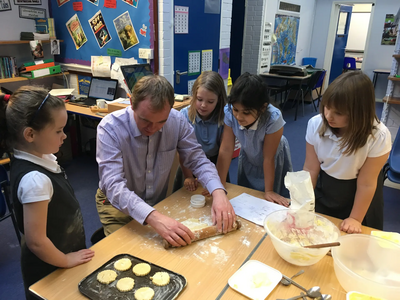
x,y
142,211
213,185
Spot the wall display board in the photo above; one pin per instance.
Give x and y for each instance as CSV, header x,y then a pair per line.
x,y
101,27
286,31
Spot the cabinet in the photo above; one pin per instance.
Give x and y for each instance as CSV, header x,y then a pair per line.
x,y
17,79
391,109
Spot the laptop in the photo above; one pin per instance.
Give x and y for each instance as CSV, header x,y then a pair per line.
x,y
100,88
132,73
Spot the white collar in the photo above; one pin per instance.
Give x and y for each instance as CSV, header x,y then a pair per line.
x,y
47,161
253,127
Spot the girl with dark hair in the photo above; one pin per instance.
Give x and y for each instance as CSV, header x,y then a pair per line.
x,y
264,156
346,149
47,211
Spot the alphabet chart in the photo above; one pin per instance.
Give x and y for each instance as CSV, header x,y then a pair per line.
x,y
206,60
181,19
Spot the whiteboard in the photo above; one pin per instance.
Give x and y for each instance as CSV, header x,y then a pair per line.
x,y
358,31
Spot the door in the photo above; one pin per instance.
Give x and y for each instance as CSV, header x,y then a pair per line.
x,y
342,32
203,34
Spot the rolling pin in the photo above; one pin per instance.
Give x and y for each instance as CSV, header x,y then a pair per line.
x,y
206,232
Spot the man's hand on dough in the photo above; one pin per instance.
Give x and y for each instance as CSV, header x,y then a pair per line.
x,y
171,230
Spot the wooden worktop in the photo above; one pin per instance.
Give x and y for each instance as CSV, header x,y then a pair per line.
x,y
207,264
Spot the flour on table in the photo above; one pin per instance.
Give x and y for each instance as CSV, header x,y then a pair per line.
x,y
195,224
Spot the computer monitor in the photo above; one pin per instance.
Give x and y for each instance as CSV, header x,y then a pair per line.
x,y
103,88
132,73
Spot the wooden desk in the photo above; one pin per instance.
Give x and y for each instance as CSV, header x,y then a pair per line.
x,y
85,111
285,77
377,72
207,265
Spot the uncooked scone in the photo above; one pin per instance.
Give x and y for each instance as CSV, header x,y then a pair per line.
x,y
160,278
106,276
260,279
123,264
125,284
141,269
194,224
144,293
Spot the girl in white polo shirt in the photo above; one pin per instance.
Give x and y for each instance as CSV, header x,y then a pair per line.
x,y
346,149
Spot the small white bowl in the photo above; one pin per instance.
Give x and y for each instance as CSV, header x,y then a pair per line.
x,y
198,201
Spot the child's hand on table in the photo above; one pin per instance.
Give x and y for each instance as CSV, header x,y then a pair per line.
x,y
350,225
79,257
190,184
271,196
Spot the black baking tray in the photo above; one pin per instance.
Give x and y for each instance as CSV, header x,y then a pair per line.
x,y
91,288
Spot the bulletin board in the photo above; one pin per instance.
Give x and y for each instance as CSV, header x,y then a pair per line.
x,y
116,28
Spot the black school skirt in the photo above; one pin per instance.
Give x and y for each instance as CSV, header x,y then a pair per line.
x,y
335,197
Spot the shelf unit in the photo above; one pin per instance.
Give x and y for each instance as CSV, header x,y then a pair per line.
x,y
22,42
17,79
392,97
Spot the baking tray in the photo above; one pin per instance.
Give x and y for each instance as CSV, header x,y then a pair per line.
x,y
91,288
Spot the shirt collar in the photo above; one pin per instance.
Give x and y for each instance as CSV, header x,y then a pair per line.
x,y
47,161
199,119
253,127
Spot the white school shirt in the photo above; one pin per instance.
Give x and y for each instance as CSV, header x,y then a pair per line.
x,y
36,186
332,160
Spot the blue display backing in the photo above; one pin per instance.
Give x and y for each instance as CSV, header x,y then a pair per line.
x,y
139,16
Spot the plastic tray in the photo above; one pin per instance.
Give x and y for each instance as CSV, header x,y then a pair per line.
x,y
95,290
244,280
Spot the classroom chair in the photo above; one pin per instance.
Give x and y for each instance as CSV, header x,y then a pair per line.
x,y
312,61
304,89
6,202
349,64
97,236
318,85
391,170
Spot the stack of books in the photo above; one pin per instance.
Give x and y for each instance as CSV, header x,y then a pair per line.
x,y
8,67
45,26
39,69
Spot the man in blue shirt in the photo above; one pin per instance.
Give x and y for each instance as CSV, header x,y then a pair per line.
x,y
136,147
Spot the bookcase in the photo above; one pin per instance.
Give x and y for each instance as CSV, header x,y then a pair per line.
x,y
391,109
15,48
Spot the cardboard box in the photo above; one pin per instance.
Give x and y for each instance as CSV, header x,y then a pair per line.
x,y
116,106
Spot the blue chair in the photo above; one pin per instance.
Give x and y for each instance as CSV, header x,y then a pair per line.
x,y
349,64
312,61
391,170
318,85
6,203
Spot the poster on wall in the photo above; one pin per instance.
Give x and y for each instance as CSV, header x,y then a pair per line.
x,y
224,63
61,2
99,29
286,31
76,31
5,5
126,31
389,31
95,2
133,3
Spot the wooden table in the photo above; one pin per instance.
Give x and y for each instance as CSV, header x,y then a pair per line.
x,y
85,111
207,264
378,72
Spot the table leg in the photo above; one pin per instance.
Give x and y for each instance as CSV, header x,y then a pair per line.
x,y
375,79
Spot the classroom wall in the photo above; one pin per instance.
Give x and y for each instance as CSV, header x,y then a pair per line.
x,y
376,56
166,39
11,24
258,12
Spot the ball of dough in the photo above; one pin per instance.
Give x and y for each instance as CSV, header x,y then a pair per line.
x,y
141,269
106,276
160,278
144,293
125,284
122,264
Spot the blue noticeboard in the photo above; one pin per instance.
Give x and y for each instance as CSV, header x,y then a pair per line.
x,y
80,42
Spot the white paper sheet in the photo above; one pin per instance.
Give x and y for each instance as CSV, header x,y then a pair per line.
x,y
254,209
61,92
101,66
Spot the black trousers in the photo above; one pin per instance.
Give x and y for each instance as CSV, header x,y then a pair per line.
x,y
335,197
